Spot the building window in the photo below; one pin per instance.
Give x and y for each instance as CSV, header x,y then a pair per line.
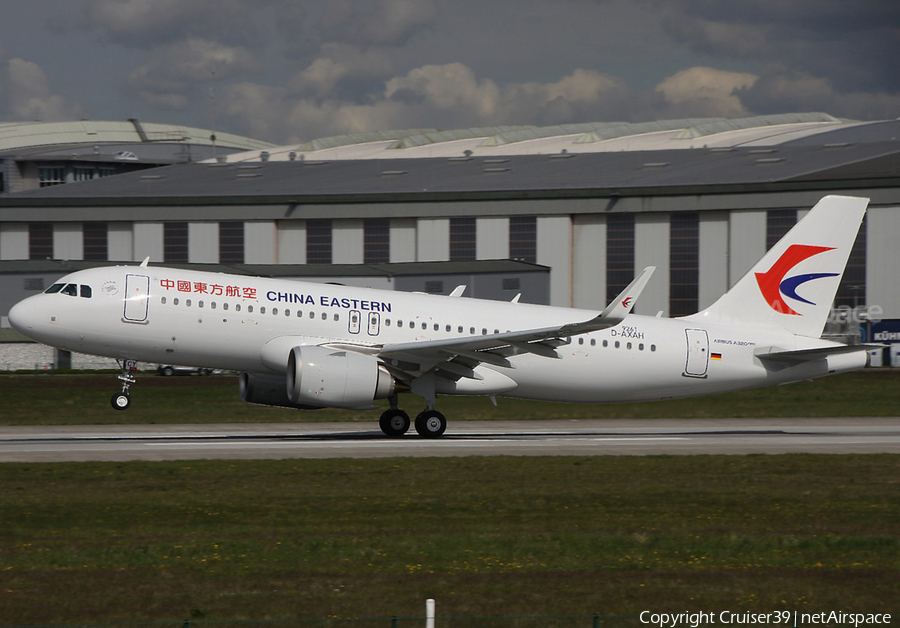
x,y
852,291
175,242
619,253
231,242
318,241
778,223
376,241
2,184
83,174
462,239
684,262
95,240
523,238
40,240
51,176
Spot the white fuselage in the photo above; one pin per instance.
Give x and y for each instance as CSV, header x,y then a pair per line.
x,y
244,323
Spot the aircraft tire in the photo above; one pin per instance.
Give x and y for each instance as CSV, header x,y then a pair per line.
x,y
394,422
121,401
431,424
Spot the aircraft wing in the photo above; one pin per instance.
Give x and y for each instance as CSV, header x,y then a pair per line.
x,y
457,357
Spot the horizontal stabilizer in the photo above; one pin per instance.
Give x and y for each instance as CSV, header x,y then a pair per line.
x,y
804,355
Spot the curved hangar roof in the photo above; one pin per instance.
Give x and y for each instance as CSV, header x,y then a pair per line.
x,y
592,137
16,136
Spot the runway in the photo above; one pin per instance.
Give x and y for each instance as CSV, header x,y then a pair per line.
x,y
463,438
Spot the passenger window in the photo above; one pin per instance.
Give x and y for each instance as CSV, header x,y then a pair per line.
x,y
250,308
225,306
324,316
412,325
472,330
262,310
71,289
312,314
54,288
212,305
581,341
187,302
593,342
628,346
175,301
617,344
606,343
274,311
459,329
287,312
162,300
200,304
86,292
652,347
237,308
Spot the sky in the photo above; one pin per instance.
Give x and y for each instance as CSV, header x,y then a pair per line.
x,y
288,71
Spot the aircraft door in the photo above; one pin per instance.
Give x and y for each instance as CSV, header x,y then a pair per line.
x,y
374,323
354,322
697,353
137,298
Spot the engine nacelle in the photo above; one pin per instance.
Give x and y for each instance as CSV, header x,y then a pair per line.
x,y
336,378
267,390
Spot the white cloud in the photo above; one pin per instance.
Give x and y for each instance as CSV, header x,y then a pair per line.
x,y
163,79
706,92
28,95
338,62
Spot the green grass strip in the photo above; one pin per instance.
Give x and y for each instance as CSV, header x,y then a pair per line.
x,y
516,536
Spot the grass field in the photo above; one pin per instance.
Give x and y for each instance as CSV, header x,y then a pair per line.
x,y
216,540
84,399
483,536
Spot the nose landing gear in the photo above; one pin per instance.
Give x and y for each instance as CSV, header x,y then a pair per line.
x,y
122,400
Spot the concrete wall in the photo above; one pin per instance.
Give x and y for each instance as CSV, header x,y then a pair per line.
x,y
651,248
13,240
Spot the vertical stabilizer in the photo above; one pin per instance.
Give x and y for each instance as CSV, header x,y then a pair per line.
x,y
794,284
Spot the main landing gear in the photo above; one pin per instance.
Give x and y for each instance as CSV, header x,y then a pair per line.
x,y
122,400
395,422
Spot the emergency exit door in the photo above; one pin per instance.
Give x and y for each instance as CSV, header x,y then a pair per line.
x,y
697,353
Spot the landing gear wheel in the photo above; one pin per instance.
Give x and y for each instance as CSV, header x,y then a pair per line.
x,y
394,422
121,401
431,424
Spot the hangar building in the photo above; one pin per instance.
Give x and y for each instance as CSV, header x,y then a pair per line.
x,y
700,199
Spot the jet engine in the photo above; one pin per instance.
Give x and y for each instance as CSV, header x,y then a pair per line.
x,y
267,390
336,378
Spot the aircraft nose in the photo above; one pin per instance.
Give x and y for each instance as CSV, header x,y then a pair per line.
x,y
22,316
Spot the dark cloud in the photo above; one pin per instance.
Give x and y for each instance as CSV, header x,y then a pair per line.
x,y
854,45
296,69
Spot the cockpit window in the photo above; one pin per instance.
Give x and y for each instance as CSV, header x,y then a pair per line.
x,y
86,292
71,289
54,288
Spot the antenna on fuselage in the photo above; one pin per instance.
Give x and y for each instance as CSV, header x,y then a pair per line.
x,y
145,262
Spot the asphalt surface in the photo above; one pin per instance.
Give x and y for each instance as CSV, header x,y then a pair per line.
x,y
463,438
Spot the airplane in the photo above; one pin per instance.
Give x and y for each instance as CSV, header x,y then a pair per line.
x,y
306,345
